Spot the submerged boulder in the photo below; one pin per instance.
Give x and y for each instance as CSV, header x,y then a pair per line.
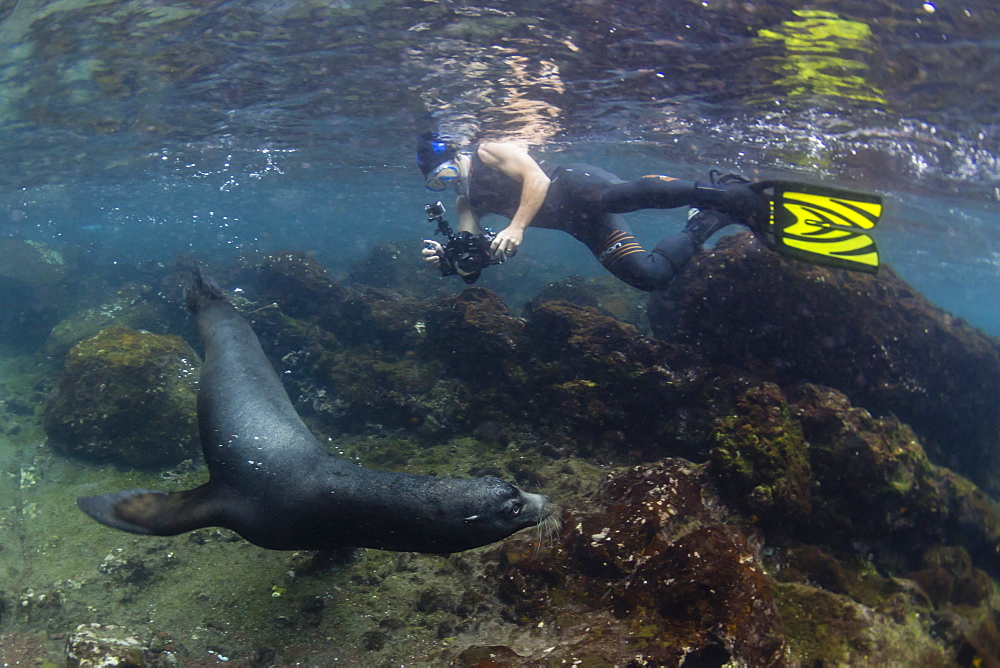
x,y
654,559
473,335
133,311
826,472
34,288
389,266
607,294
356,316
874,338
126,398
31,263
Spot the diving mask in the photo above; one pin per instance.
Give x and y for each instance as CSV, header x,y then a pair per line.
x,y
442,176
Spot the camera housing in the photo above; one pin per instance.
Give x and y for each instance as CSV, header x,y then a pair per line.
x,y
468,254
465,254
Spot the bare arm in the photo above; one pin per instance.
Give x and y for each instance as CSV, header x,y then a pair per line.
x,y
467,220
514,161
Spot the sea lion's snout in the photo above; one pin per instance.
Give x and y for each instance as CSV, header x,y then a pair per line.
x,y
537,508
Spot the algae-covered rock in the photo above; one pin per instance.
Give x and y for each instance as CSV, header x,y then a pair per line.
x,y
874,338
34,288
653,560
826,628
390,266
708,586
828,472
597,384
126,398
473,334
30,262
608,295
132,311
358,316
761,453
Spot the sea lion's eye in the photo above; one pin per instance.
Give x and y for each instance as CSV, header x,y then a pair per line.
x,y
514,508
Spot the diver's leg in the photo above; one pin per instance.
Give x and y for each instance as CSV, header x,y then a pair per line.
x,y
617,249
703,223
729,194
649,192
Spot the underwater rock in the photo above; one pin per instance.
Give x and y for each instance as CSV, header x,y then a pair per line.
x,y
654,560
32,279
608,295
300,284
473,335
95,645
30,262
874,338
134,312
354,389
706,587
41,606
762,456
126,398
948,576
356,316
831,474
493,656
825,628
596,384
388,266
293,343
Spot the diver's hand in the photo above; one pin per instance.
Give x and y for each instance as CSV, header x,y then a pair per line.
x,y
506,243
432,252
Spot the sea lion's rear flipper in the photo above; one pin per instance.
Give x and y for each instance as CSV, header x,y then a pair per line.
x,y
152,513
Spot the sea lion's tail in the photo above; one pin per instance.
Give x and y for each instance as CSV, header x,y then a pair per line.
x,y
153,513
201,288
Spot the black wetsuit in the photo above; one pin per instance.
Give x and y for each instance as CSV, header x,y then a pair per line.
x,y
583,200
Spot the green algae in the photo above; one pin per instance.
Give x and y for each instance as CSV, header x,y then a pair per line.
x,y
827,627
133,312
110,386
761,450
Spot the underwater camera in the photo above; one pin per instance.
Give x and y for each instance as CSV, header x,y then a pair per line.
x,y
465,254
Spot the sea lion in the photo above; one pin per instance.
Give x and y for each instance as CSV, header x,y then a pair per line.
x,y
276,486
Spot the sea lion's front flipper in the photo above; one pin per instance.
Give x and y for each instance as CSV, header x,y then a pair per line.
x,y
152,513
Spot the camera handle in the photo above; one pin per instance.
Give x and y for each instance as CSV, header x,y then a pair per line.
x,y
435,214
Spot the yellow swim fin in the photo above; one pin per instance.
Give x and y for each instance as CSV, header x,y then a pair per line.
x,y
820,224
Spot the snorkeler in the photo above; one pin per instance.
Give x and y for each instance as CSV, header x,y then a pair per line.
x,y
582,200
813,223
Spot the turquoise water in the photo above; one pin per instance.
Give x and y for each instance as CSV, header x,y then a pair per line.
x,y
947,246
154,129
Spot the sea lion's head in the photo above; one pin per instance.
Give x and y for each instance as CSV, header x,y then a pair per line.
x,y
480,511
